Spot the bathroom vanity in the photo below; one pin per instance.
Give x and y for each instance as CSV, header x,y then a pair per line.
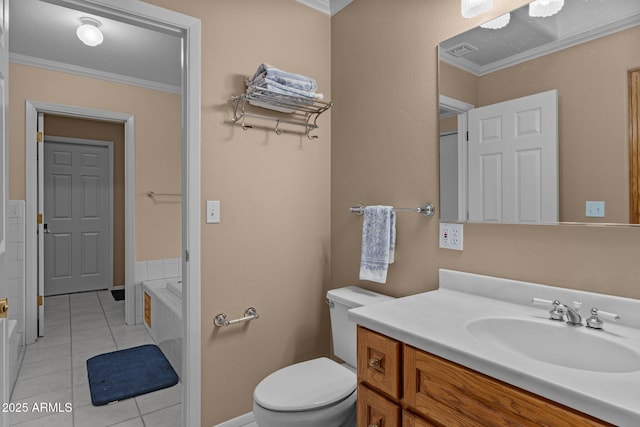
x,y
477,352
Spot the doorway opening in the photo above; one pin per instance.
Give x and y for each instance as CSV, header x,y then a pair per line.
x,y
83,195
189,29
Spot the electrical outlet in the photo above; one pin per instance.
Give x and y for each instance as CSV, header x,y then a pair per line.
x,y
451,236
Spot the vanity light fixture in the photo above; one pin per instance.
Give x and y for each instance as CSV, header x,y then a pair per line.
x,y
89,33
545,8
497,23
471,8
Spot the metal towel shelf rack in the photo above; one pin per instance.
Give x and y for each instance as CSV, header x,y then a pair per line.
x,y
300,111
426,210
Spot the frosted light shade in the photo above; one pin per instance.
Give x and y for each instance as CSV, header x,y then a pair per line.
x,y
471,8
497,23
89,34
545,8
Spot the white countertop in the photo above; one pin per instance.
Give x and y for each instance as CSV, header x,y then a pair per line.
x,y
437,321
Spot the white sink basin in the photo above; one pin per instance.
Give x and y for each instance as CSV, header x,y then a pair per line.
x,y
556,343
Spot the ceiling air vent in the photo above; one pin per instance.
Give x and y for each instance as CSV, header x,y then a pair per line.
x,y
461,50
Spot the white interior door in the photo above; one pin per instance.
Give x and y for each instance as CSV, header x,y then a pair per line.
x,y
77,217
5,392
513,160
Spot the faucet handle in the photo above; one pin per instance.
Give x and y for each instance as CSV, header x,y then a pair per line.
x,y
558,310
594,321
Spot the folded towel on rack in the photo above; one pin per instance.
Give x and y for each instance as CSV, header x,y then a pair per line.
x,y
297,81
378,243
265,82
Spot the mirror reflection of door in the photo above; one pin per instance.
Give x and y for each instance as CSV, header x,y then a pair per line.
x,y
513,161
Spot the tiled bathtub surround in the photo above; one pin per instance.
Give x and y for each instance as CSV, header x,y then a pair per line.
x,y
165,300
15,282
153,270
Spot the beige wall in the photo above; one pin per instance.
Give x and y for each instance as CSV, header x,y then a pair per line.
x,y
385,133
157,139
73,127
272,248
593,140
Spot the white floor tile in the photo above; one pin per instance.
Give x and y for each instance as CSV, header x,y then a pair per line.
x,y
160,399
44,383
51,420
106,415
168,417
78,327
60,397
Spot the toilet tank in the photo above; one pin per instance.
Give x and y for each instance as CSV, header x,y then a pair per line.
x,y
342,329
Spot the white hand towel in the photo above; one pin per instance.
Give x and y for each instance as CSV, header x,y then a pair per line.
x,y
378,243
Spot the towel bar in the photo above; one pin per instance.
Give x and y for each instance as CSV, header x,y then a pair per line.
x,y
426,210
152,194
221,319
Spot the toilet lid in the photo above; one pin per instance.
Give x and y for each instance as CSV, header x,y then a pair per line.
x,y
305,386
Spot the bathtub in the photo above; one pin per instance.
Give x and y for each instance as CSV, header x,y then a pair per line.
x,y
163,317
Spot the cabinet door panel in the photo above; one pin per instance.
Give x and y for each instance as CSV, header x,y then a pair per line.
x,y
379,362
376,411
410,420
453,395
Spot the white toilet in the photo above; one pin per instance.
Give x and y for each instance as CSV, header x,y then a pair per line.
x,y
318,392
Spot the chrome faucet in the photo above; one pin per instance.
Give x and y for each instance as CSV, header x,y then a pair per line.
x,y
559,311
573,317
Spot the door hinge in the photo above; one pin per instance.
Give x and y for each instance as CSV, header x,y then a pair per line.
x,y
4,307
40,218
467,135
40,137
40,300
186,256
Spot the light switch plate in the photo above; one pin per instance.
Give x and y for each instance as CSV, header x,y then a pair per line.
x,y
451,236
594,209
213,212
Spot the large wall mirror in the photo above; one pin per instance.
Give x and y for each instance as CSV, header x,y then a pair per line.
x,y
586,54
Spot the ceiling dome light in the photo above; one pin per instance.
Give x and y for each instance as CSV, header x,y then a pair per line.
x,y
545,8
471,8
88,32
497,23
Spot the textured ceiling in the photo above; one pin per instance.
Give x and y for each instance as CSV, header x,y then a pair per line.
x,y
525,37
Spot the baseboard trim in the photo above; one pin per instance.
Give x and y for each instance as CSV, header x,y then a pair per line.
x,y
240,421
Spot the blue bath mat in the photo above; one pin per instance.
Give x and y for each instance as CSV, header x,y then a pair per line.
x,y
127,373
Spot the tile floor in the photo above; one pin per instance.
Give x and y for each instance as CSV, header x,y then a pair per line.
x,y
54,371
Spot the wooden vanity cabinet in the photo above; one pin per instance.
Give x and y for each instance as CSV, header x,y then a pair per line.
x,y
375,410
436,392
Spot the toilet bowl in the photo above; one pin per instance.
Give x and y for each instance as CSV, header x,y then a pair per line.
x,y
318,392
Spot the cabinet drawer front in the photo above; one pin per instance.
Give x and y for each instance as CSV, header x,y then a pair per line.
x,y
376,411
410,420
448,393
379,362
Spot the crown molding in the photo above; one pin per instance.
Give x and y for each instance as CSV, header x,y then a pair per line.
x,y
328,7
90,72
